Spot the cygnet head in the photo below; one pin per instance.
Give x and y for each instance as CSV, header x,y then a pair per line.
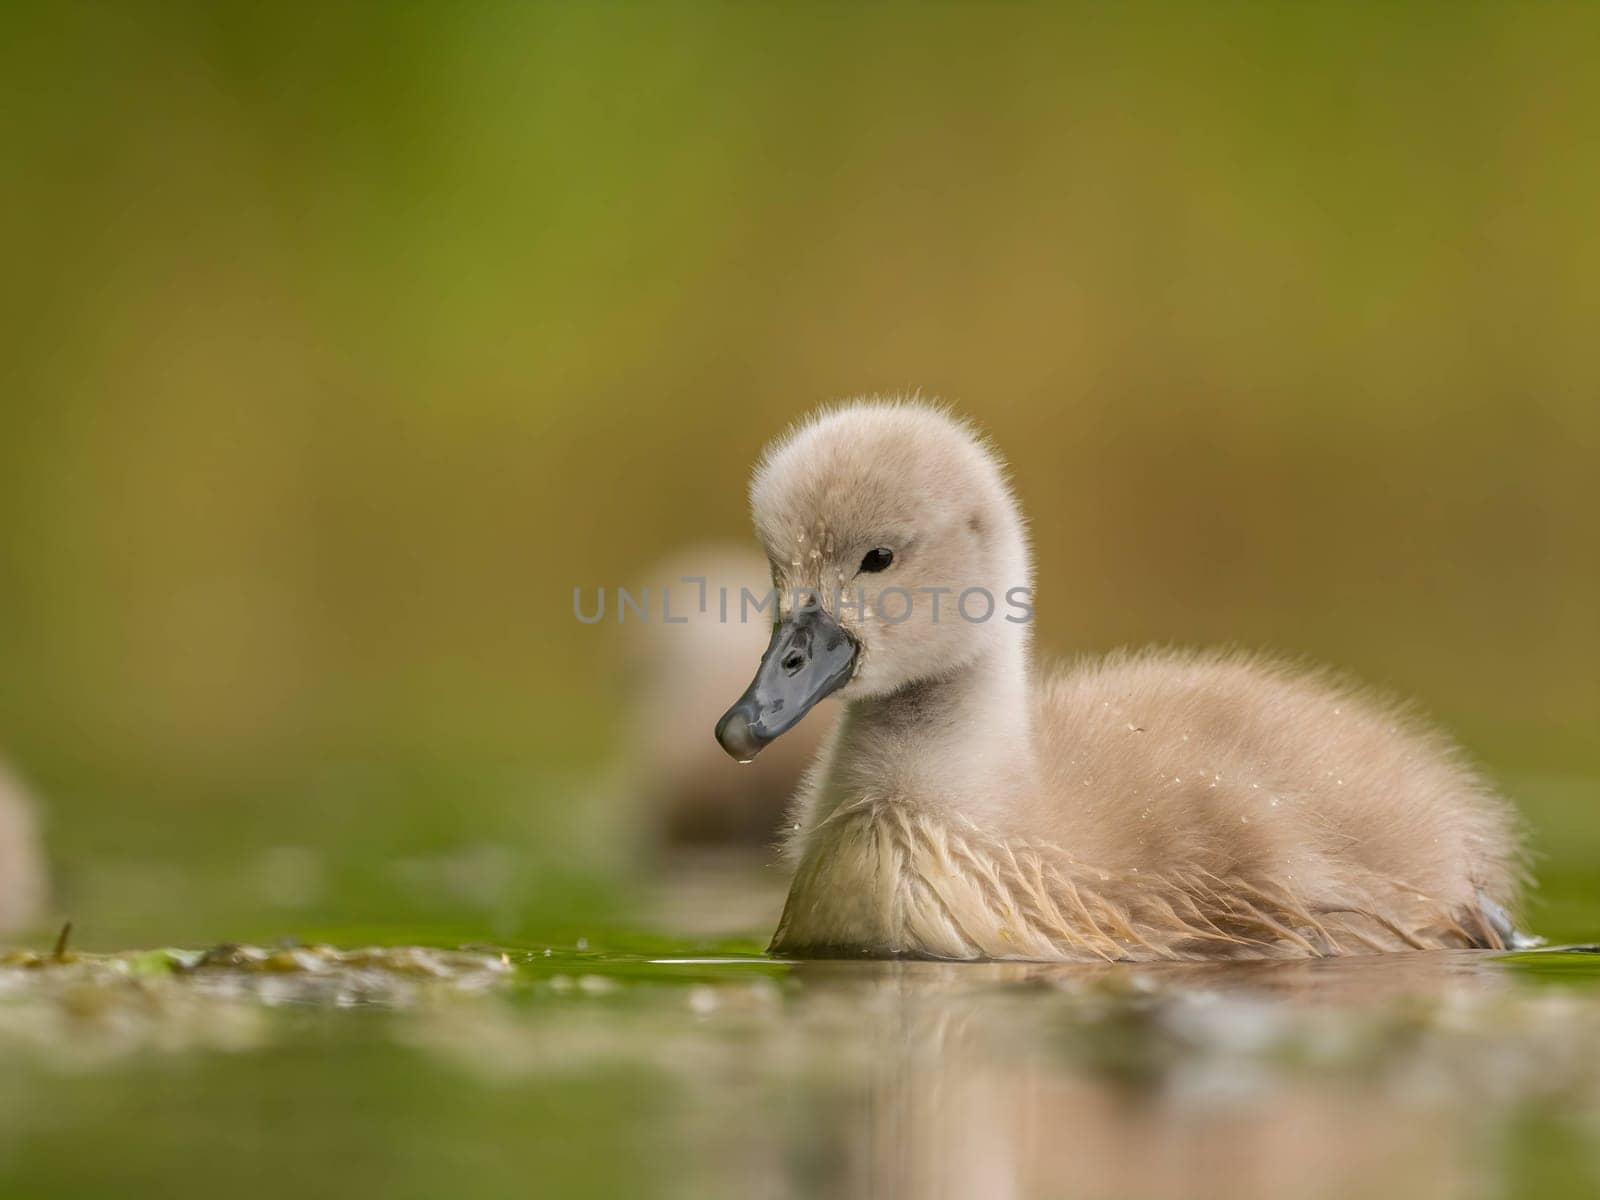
x,y
897,554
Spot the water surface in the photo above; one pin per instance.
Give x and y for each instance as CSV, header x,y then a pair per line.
x,y
638,1063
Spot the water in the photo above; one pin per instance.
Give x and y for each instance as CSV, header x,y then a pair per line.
x,y
684,1065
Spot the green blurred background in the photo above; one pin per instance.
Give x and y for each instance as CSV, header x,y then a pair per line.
x,y
338,343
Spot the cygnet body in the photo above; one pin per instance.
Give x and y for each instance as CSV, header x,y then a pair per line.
x,y
1162,804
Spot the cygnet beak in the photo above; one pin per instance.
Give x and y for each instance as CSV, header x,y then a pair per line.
x,y
809,657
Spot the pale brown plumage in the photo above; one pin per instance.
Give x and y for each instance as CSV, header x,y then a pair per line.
x,y
1165,804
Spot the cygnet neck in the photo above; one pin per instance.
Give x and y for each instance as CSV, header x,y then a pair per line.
x,y
962,731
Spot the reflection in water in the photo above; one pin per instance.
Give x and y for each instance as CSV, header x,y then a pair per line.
x,y
1393,1075
1397,1075
1111,1083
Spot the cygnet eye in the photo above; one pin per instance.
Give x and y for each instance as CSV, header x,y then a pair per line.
x,y
877,560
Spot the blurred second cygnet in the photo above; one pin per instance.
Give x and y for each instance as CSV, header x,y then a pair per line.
x,y
22,875
681,676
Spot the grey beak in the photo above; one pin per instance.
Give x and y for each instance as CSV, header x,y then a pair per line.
x,y
809,657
